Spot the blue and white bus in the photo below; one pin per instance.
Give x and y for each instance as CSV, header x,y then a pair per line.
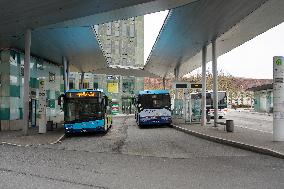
x,y
85,110
153,107
222,104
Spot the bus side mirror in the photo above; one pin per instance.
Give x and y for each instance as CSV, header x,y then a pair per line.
x,y
106,101
59,102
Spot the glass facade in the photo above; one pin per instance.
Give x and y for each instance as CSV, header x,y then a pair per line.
x,y
122,41
11,88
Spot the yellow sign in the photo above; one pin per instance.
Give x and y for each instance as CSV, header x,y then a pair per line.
x,y
112,87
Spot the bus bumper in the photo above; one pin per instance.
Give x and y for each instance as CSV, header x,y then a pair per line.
x,y
90,126
163,120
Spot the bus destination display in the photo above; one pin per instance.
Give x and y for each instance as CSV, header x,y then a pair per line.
x,y
82,94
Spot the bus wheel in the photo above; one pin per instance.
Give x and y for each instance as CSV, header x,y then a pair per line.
x,y
140,126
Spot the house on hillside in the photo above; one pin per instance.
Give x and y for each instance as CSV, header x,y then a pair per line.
x,y
263,98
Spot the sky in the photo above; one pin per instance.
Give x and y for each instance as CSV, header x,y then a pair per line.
x,y
253,59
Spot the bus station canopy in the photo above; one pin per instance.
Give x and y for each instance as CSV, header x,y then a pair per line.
x,y
188,28
64,29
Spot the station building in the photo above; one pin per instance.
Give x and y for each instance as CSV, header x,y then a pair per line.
x,y
11,88
122,43
263,98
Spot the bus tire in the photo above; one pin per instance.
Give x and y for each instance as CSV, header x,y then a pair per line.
x,y
169,124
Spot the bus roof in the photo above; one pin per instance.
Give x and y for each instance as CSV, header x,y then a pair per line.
x,y
154,92
84,90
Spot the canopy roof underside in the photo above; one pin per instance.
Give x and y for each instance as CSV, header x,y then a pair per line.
x,y
188,28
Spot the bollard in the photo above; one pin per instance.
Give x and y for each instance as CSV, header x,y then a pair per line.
x,y
230,125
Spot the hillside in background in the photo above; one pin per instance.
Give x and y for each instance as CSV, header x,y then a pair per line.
x,y
234,85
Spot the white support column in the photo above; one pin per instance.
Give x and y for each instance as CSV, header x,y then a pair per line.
x,y
203,100
215,82
176,110
26,91
278,98
66,74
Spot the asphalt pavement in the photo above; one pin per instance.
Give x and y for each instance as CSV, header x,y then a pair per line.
x,y
251,120
129,157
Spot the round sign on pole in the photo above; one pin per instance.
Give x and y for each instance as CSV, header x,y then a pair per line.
x,y
42,107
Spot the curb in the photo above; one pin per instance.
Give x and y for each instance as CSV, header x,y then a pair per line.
x,y
236,144
62,137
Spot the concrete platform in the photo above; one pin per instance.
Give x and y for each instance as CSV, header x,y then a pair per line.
x,y
253,140
33,138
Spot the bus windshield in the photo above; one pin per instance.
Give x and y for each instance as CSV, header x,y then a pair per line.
x,y
222,100
80,109
154,101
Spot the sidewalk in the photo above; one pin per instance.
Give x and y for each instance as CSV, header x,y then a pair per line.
x,y
257,141
17,138
251,111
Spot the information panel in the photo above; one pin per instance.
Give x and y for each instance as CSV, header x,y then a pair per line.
x,y
278,98
42,106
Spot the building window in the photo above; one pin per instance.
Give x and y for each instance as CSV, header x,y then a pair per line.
x,y
51,77
108,25
108,46
116,29
116,47
128,87
131,30
85,85
109,60
124,29
124,62
96,85
71,85
123,48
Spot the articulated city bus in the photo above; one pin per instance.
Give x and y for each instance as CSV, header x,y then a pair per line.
x,y
222,103
153,107
85,110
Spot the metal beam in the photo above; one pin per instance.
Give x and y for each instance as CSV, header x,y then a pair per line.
x,y
203,100
26,91
215,82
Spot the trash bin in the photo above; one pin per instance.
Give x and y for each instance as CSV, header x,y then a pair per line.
x,y
230,125
49,126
